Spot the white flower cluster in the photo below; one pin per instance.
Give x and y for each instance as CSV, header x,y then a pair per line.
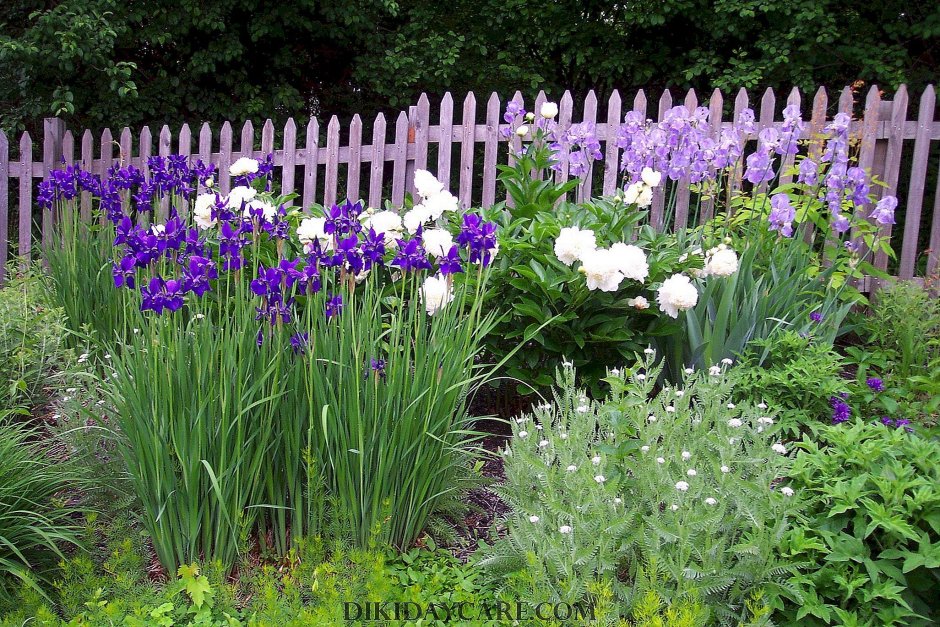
x,y
720,261
435,200
641,192
676,294
604,268
241,198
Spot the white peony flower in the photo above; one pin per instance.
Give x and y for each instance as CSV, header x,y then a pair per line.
x,y
601,270
522,131
572,243
650,177
387,222
722,263
565,529
786,491
418,215
243,166
779,448
710,501
533,519
639,303
632,193
437,241
436,293
426,184
631,261
210,182
239,195
682,486
202,211
549,110
311,229
646,197
440,202
676,294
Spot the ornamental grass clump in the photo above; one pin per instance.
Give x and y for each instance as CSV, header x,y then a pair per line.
x,y
282,367
682,493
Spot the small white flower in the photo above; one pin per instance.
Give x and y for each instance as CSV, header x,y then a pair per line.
x,y
730,405
786,491
618,500
100,403
523,434
682,486
200,316
680,393
710,501
762,405
691,472
600,479
243,166
548,110
779,448
72,390
735,423
136,331
765,420
686,455
538,427
674,507
543,443
648,350
533,519
107,356
567,364
670,409
565,529
689,370
615,372
582,409
521,420
641,377
66,399
563,436
596,460
639,303
660,460
645,449
571,468
732,441
725,469
714,371
522,131
726,361
651,418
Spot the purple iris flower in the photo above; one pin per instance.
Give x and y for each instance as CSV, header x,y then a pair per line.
x,y
334,305
299,343
875,384
125,272
781,215
451,263
373,248
816,316
411,255
841,411
883,213
478,237
160,295
197,275
377,366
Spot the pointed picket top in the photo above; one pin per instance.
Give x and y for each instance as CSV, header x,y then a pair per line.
x,y
185,145
691,101
267,138
354,168
847,100
225,155
540,99
866,153
740,104
612,153
291,126
639,102
247,145
918,177
311,159
768,105
87,140
205,141
26,146
106,146
493,102
665,103
794,98
126,144
68,146
716,110
165,141
146,145
289,158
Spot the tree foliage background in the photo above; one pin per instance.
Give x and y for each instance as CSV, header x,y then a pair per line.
x,y
113,62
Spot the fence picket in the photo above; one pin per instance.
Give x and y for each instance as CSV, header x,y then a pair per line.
x,y
445,137
311,161
565,112
468,127
612,153
740,104
225,157
332,163
715,114
4,204
514,143
933,247
163,149
657,219
355,159
915,196
490,146
789,160
267,140
585,189
205,147
399,156
893,160
87,163
683,193
26,199
289,161
247,145
378,162
422,134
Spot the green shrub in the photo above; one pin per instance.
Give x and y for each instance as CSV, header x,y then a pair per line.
x,y
32,343
795,374
35,510
679,493
872,538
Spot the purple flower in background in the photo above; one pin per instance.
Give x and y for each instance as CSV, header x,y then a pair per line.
x,y
199,271
343,220
479,238
378,367
299,343
411,255
450,263
259,339
841,411
883,213
885,420
760,167
372,248
809,172
903,422
347,253
875,384
125,272
816,316
334,305
840,223
781,215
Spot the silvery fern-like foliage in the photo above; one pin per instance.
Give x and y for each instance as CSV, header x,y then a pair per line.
x,y
678,491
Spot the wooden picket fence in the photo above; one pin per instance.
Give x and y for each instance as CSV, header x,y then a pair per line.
x,y
381,170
